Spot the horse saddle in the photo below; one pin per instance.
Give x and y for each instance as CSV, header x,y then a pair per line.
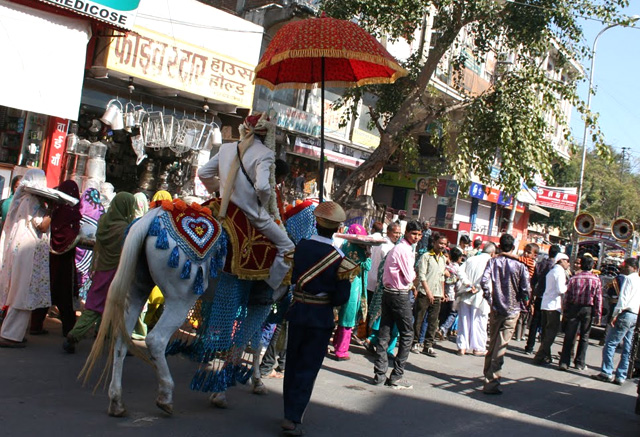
x,y
250,254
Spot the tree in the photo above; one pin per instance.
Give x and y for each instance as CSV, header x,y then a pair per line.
x,y
508,120
611,189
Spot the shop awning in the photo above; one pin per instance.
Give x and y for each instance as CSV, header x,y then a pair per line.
x,y
538,210
313,152
43,60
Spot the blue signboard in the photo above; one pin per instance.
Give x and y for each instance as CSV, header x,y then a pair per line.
x,y
477,190
503,199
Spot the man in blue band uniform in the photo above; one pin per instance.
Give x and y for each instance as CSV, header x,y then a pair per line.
x,y
322,276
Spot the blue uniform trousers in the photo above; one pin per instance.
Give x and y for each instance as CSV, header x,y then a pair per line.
x,y
306,348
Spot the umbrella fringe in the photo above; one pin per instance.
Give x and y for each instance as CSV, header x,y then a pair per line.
x,y
330,84
332,53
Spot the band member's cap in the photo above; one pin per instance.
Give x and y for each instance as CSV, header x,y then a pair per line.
x,y
329,215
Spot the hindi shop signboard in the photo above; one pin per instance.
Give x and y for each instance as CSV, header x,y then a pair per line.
x,y
557,198
57,139
119,13
179,65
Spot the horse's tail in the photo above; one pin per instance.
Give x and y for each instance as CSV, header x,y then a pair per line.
x,y
113,324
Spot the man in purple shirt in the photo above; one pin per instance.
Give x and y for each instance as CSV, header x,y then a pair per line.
x,y
397,280
505,284
582,302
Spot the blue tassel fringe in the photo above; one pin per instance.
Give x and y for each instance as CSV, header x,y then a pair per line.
x,y
198,285
154,229
174,258
186,270
163,241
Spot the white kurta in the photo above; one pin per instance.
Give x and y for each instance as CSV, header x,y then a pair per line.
x,y
377,255
257,161
473,309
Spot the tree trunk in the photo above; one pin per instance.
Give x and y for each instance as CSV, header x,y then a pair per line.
x,y
412,112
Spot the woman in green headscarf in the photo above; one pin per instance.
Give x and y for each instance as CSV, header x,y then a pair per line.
x,y
106,256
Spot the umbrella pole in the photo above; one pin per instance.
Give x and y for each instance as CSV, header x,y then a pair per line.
x,y
322,130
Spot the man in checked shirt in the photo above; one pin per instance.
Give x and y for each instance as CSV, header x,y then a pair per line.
x,y
583,302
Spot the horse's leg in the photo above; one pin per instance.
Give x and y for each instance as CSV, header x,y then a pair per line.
x,y
173,316
258,386
116,406
219,400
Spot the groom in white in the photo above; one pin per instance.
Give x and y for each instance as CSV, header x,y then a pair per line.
x,y
245,171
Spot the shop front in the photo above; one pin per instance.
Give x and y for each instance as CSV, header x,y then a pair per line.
x,y
161,104
300,147
44,47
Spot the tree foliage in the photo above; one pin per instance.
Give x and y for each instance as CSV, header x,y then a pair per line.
x,y
507,121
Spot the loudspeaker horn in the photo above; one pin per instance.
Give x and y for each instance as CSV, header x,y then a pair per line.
x,y
584,224
622,229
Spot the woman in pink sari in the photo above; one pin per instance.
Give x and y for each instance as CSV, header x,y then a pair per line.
x,y
91,209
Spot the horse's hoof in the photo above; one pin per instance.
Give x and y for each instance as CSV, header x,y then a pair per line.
x,y
117,409
218,401
167,408
260,389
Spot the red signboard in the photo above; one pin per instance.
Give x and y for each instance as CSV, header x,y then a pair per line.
x,y
556,199
53,161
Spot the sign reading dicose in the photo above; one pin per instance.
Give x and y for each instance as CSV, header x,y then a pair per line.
x,y
179,65
120,13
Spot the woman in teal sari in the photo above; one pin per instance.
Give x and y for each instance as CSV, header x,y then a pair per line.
x,y
357,304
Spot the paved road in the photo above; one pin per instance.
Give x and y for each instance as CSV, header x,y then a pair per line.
x,y
39,395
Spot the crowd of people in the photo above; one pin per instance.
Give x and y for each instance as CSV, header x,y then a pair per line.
x,y
45,271
417,289
397,294
422,289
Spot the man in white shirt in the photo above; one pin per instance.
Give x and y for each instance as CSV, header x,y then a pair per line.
x,y
551,306
379,252
623,322
473,308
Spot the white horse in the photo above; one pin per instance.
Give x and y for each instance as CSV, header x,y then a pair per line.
x,y
183,278
143,264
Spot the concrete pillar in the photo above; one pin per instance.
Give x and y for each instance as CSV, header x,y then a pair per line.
x,y
329,168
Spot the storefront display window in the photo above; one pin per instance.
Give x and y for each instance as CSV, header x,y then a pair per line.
x,y
340,174
302,180
22,136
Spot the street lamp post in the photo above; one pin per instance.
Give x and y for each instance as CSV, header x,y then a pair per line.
x,y
632,20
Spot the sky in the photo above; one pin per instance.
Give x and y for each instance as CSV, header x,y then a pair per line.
x,y
617,98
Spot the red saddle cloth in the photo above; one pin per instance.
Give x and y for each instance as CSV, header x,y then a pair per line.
x,y
250,253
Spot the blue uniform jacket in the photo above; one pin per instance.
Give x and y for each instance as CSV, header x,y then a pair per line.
x,y
308,253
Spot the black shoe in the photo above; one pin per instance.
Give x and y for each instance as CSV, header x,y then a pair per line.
x,y
495,391
542,361
602,377
429,351
400,384
69,345
379,379
528,352
370,347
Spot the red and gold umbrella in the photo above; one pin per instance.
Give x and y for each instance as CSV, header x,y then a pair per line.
x,y
327,52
